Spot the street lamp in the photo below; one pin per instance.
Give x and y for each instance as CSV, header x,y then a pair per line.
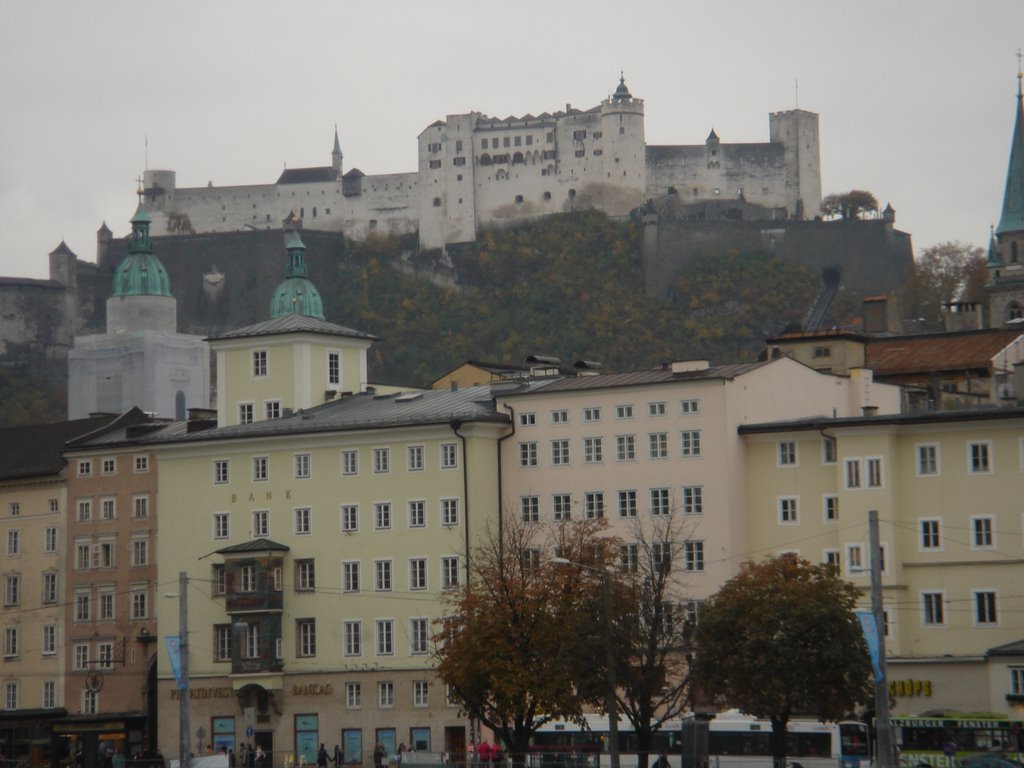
x,y
611,704
184,714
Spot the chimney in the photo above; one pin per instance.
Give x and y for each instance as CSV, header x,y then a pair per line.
x,y
881,315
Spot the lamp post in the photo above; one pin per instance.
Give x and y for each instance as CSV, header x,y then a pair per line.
x,y
611,703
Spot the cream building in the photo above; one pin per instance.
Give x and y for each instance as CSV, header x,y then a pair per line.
x,y
946,488
643,446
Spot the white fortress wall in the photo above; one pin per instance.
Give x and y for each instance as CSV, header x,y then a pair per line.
x,y
386,204
706,172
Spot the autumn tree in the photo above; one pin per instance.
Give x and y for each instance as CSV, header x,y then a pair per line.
x,y
510,645
944,273
849,205
780,639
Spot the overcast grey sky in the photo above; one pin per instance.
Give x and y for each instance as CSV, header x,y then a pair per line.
x,y
916,97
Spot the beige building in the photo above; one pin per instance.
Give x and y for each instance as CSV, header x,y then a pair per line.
x,y
946,487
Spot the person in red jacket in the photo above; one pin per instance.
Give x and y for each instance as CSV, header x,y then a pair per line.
x,y
484,752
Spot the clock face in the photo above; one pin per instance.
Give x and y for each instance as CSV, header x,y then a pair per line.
x,y
94,681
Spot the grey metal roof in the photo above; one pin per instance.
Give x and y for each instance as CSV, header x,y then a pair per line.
x,y
255,545
816,423
657,376
294,324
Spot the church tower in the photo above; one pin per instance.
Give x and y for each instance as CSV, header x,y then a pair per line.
x,y
1006,248
296,294
336,156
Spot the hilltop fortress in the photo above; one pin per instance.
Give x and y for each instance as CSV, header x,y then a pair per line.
x,y
476,170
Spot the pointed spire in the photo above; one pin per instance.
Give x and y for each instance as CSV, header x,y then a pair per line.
x,y
336,153
337,144
1012,219
622,92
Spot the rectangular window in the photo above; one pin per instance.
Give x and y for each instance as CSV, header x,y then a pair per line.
x,y
140,506
80,657
84,510
221,472
593,505
218,580
655,409
689,407
978,458
828,450
449,456
421,691
874,473
627,503
49,646
109,465
657,445
449,572
414,458
381,460
592,450
529,509
222,642
560,417
245,413
140,604
221,528
830,508
787,453
54,506
12,590
623,411
105,655
385,694
305,632
350,462
140,552
259,362
853,473
928,459
789,512
303,521
449,512
10,642
13,542
103,555
353,696
527,419
49,694
591,414
931,533
301,466
561,506
419,636
382,575
106,601
382,516
629,555
108,509
854,558
247,579
83,556
50,540
350,576
272,409
260,468
385,637
349,518
932,611
985,608
625,447
693,499
417,573
333,368
305,575
559,452
142,463
261,524
661,556
251,640
1017,680
831,557
49,587
10,696
982,533
417,513
85,467
528,454
690,443
353,640
693,555
660,506
14,508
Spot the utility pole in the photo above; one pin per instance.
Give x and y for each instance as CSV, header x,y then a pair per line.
x,y
184,724
883,725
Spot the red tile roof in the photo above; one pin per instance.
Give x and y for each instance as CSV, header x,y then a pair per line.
x,y
937,352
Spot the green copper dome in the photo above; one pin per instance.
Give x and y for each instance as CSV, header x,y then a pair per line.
x,y
296,294
141,273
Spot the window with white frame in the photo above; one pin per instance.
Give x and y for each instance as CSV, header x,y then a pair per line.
x,y
302,518
140,506
420,693
251,641
417,513
874,467
417,573
83,605
625,447
105,655
350,462
624,411
828,450
302,466
85,467
83,556
272,409
449,572
830,508
592,414
661,556
593,505
381,460
12,590
49,694
11,648
105,598
108,508
385,693
787,453
982,532
14,508
350,576
593,451
527,419
690,440
353,635
382,575
246,413
933,609
660,502
80,657
141,463
222,642
382,515
260,468
139,603
414,458
385,637
140,552
333,368
657,445
928,459
559,452
689,407
49,641
305,635
979,457
247,578
90,702
108,465
349,518
50,540
931,533
353,695
221,471
629,557
561,506
789,510
13,542
419,636
852,473
54,505
1017,680
221,525
49,587
985,608
218,580
560,416
11,695
693,555
831,557
656,409
528,454
529,509
259,362
449,512
627,503
84,510
305,575
261,524
693,499
449,456
854,558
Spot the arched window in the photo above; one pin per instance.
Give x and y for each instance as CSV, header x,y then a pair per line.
x,y
517,158
485,159
1014,311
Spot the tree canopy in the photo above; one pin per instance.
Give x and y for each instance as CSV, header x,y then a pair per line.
x,y
781,638
944,273
849,205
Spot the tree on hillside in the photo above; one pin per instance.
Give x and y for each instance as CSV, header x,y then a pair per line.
x,y
781,638
943,273
849,205
509,647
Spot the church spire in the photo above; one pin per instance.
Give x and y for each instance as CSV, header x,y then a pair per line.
x,y
1012,219
336,153
141,273
296,294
